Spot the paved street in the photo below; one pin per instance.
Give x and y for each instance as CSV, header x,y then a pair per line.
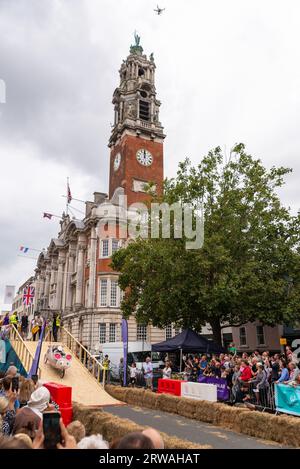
x,y
192,430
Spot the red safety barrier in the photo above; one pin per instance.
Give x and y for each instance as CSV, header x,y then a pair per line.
x,y
60,394
66,414
169,386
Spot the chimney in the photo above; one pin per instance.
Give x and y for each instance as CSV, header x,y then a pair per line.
x,y
88,208
99,197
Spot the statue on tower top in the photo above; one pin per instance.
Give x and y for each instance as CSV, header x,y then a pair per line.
x,y
136,48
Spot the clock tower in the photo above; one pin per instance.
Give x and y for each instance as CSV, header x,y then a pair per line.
x,y
136,141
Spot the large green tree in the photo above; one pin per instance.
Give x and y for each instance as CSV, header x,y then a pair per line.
x,y
248,267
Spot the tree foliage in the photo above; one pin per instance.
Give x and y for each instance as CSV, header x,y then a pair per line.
x,y
248,268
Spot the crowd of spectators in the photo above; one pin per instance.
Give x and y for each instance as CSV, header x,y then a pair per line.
x,y
250,377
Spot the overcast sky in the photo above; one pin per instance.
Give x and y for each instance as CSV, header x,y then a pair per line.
x,y
227,71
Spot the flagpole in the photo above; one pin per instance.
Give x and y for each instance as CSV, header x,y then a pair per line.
x,y
67,203
73,198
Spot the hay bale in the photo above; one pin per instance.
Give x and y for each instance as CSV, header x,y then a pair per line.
x,y
150,400
115,427
229,417
118,392
283,429
187,407
112,427
168,403
287,428
207,412
135,396
172,442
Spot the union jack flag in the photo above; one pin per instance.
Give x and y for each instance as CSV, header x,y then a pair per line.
x,y
28,295
69,195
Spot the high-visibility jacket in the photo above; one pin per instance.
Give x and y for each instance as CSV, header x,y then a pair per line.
x,y
13,319
105,364
57,321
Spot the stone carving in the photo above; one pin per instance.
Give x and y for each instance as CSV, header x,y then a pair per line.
x,y
130,110
136,48
137,38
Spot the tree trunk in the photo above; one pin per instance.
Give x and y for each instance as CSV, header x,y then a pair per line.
x,y
216,330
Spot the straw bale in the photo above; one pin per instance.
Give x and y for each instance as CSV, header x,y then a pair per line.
x,y
168,403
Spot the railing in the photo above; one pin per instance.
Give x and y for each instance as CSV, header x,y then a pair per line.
x,y
21,350
91,363
146,124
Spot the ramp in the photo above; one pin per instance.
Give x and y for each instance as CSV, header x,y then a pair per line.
x,y
85,389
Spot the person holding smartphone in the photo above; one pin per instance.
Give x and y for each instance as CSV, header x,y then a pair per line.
x,y
44,434
8,412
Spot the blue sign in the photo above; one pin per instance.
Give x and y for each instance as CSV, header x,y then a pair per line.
x,y
287,399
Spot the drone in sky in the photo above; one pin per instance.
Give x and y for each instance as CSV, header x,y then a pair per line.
x,y
159,10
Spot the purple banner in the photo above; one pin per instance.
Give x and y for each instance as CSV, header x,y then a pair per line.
x,y
125,348
221,383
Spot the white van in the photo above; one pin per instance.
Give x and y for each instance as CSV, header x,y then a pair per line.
x,y
137,352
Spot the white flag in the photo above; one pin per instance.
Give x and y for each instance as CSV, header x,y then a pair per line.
x,y
9,294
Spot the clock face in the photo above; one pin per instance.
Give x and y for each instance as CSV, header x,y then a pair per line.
x,y
117,161
144,157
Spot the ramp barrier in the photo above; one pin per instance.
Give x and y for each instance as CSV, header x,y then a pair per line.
x,y
62,395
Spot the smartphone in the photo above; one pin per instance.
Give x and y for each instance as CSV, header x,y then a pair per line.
x,y
35,378
15,383
51,429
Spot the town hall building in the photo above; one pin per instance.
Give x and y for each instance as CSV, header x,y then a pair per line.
x,y
73,275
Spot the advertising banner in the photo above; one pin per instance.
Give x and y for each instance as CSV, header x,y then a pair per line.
x,y
201,391
221,383
287,399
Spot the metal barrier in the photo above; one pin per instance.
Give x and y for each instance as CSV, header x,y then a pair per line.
x,y
262,398
21,350
91,363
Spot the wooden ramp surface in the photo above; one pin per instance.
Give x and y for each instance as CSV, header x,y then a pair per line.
x,y
85,389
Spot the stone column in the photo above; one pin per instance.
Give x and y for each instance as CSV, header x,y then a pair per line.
x,y
93,262
72,255
65,279
53,270
79,279
47,285
59,285
37,289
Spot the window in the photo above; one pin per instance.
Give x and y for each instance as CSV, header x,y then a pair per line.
x,y
102,332
168,332
115,245
144,110
113,292
141,332
260,335
103,292
243,338
105,248
112,332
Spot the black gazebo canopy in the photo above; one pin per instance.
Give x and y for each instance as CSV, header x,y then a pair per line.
x,y
188,341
